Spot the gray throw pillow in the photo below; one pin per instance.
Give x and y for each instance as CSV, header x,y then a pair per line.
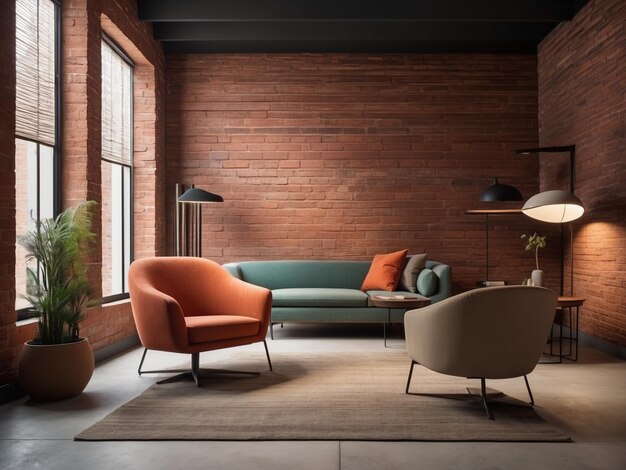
x,y
427,282
408,279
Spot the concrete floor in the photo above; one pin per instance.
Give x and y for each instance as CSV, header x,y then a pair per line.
x,y
586,400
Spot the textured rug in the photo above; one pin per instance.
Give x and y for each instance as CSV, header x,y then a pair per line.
x,y
320,396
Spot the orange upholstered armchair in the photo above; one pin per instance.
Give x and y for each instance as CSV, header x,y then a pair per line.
x,y
190,305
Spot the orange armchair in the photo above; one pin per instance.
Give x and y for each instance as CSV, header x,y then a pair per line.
x,y
190,305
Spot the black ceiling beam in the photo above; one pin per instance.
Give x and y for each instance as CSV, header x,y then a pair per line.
x,y
370,46
330,10
352,31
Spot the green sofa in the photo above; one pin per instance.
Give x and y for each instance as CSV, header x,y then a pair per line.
x,y
328,291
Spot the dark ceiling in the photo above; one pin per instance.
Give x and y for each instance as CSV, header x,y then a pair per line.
x,y
185,26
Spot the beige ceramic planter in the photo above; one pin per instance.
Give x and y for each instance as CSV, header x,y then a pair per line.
x,y
55,371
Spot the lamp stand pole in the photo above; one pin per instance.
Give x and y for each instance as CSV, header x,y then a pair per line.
x,y
194,197
487,246
198,216
178,221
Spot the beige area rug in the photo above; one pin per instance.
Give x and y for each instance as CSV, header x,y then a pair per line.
x,y
319,396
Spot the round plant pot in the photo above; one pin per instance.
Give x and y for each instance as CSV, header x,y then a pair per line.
x,y
55,371
537,277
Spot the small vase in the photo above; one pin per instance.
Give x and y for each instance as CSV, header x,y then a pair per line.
x,y
537,277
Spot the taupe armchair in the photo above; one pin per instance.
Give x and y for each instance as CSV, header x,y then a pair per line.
x,y
488,333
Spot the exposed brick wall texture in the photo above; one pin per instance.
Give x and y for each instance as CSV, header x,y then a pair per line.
x,y
339,156
83,22
7,191
582,85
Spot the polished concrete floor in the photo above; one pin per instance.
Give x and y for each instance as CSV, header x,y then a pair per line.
x,y
585,399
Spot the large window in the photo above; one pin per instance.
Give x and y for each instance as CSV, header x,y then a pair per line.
x,y
117,98
36,125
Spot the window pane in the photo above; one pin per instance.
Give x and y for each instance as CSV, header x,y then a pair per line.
x,y
116,107
34,70
26,211
116,171
112,242
127,224
46,182
35,123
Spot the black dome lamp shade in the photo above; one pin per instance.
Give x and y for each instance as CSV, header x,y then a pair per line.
x,y
501,192
199,196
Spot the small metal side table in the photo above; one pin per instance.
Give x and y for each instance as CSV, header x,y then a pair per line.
x,y
398,302
566,303
569,303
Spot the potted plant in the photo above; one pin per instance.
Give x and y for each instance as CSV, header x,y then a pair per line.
x,y
534,242
58,363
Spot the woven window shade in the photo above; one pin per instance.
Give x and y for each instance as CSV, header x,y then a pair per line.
x,y
34,70
116,107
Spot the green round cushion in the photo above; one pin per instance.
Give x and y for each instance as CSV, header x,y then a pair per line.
x,y
427,282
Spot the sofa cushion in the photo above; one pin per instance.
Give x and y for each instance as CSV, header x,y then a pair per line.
x,y
308,273
207,328
385,271
412,268
318,297
427,282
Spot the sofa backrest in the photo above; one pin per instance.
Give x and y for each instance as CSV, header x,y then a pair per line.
x,y
323,274
295,274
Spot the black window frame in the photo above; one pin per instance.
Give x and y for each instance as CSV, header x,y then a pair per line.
x,y
27,312
125,295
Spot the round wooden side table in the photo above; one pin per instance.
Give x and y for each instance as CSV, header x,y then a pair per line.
x,y
408,302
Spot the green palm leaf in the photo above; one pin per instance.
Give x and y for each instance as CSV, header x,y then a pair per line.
x,y
59,290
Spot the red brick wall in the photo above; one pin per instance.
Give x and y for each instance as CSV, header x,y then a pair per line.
x,y
582,83
344,156
83,22
7,189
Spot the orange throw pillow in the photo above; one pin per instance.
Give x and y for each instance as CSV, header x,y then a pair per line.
x,y
385,271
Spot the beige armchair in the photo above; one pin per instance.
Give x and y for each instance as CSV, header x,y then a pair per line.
x,y
488,333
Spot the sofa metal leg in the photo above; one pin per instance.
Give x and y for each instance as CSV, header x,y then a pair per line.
x,y
271,330
408,382
267,353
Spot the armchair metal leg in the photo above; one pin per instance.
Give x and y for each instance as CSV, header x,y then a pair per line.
x,y
195,366
530,393
408,382
267,353
195,372
163,371
143,356
483,392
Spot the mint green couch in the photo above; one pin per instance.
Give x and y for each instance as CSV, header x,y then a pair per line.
x,y
327,291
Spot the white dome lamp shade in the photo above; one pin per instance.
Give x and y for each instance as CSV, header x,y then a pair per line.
x,y
554,206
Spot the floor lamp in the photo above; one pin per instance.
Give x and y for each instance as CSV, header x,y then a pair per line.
x,y
189,208
496,192
557,206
